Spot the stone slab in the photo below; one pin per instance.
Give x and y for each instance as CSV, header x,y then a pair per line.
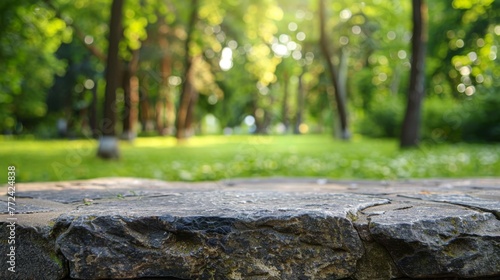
x,y
492,204
278,228
430,239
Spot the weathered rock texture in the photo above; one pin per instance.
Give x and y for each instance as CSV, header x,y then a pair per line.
x,y
255,229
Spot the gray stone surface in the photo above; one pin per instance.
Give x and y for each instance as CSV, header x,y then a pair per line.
x,y
490,205
431,240
219,233
119,228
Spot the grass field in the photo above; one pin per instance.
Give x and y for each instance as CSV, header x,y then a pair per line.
x,y
226,157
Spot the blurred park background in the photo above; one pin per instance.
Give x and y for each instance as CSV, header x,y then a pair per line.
x,y
219,89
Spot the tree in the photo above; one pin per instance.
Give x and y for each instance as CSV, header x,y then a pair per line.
x,y
166,100
188,94
134,34
29,37
108,143
130,85
71,98
333,72
410,132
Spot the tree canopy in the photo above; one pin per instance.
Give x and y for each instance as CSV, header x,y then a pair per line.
x,y
260,66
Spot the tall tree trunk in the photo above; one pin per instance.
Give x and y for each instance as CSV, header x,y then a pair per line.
x,y
396,80
144,112
190,116
262,123
93,113
300,104
258,114
285,107
187,93
159,116
263,115
187,96
340,93
343,73
130,86
166,71
108,143
410,133
145,109
167,95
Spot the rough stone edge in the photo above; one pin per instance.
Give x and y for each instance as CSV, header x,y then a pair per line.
x,y
472,208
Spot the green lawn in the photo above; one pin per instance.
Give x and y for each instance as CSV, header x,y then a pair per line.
x,y
225,157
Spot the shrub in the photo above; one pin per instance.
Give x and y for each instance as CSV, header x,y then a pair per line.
x,y
483,122
442,120
474,119
383,118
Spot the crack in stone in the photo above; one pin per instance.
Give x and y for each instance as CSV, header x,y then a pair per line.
x,y
477,209
402,208
363,223
465,205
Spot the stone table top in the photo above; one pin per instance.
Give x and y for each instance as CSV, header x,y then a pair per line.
x,y
278,228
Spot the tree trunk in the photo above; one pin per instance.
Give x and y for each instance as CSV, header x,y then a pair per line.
x,y
190,117
300,104
262,124
159,116
144,112
343,73
166,71
340,93
285,107
396,80
410,133
145,107
94,129
263,115
187,96
108,144
187,93
130,86
258,114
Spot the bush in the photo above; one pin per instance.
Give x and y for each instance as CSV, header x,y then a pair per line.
x,y
483,122
442,120
475,119
383,118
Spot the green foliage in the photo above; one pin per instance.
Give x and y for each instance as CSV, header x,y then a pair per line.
x,y
58,42
30,36
383,118
473,119
442,120
483,121
462,45
223,157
